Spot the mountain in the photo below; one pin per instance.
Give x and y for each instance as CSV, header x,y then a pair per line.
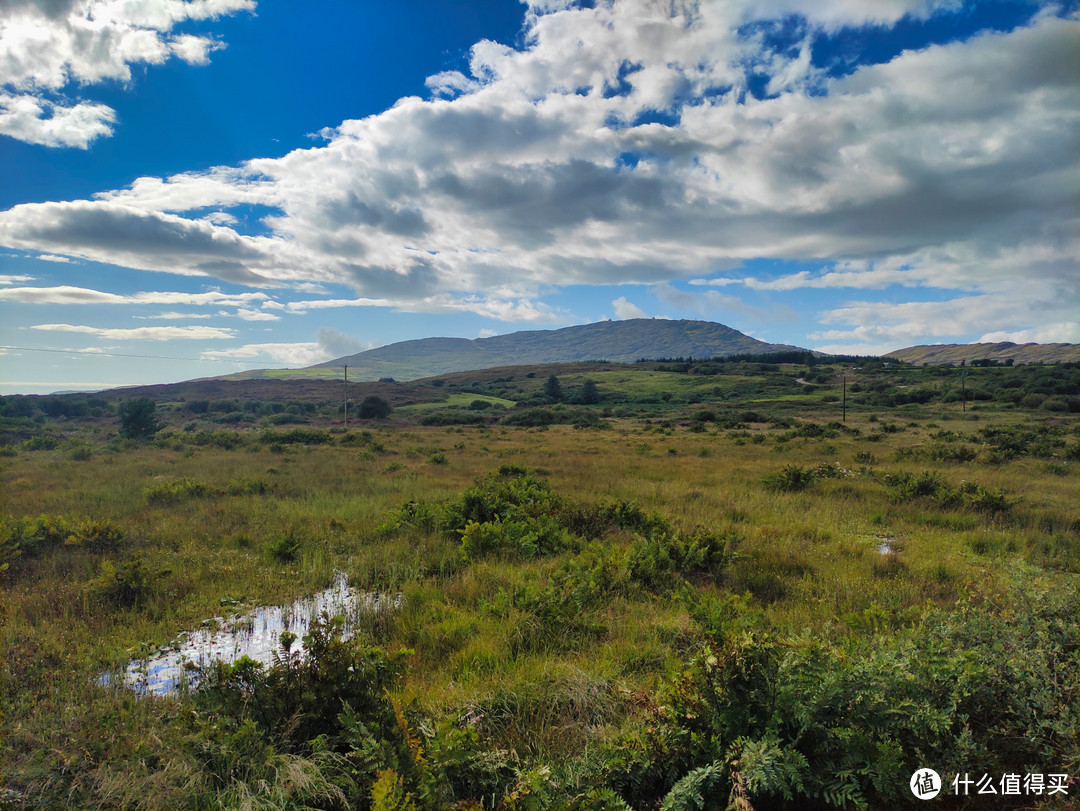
x,y
953,354
616,341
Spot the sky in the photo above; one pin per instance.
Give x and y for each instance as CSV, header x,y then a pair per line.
x,y
190,188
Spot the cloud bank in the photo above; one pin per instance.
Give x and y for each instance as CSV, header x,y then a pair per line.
x,y
638,142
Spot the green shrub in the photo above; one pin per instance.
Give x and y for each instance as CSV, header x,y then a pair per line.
x,y
29,537
792,479
453,416
242,486
173,491
331,706
1012,442
217,439
374,408
124,584
81,452
285,547
137,420
659,560
536,537
41,442
983,499
530,417
796,722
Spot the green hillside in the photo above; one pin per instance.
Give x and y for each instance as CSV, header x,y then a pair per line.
x,y
954,354
617,341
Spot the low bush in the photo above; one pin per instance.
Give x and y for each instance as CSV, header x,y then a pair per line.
x,y
796,722
173,491
792,479
285,547
932,487
29,537
126,583
248,487
41,442
296,436
454,416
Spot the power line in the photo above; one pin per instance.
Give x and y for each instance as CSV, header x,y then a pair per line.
x,y
124,355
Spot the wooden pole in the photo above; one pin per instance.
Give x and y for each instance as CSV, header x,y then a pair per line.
x,y
845,399
346,396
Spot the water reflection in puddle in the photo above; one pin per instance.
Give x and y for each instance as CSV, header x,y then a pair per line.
x,y
886,545
255,634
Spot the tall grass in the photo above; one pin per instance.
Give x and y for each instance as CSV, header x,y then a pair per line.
x,y
534,652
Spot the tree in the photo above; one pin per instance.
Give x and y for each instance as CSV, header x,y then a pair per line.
x,y
552,389
137,419
374,408
589,393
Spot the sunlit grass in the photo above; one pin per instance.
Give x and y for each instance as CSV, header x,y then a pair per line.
x,y
807,559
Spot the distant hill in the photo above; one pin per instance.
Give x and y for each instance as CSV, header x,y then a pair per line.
x,y
952,354
616,341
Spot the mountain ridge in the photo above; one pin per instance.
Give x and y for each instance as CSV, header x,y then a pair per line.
x,y
616,341
1003,351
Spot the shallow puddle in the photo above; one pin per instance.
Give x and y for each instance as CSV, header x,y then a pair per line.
x,y
255,634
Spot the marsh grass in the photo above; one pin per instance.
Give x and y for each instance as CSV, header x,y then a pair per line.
x,y
537,651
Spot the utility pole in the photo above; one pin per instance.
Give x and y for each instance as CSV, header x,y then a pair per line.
x,y
346,396
963,393
845,399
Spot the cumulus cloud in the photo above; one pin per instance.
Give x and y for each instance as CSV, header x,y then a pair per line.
x,y
625,310
250,314
131,237
46,47
623,144
38,121
290,354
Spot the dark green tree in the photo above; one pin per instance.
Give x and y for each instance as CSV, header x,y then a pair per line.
x,y
137,419
553,390
589,393
374,408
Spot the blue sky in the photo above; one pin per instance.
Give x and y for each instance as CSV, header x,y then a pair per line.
x,y
193,188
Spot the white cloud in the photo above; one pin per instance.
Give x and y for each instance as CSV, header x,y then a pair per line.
x,y
1063,333
327,304
12,279
249,314
172,316
38,121
66,294
501,309
291,354
955,320
47,47
625,310
144,333
953,167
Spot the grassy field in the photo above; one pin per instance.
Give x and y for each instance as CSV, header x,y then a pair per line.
x,y
711,592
